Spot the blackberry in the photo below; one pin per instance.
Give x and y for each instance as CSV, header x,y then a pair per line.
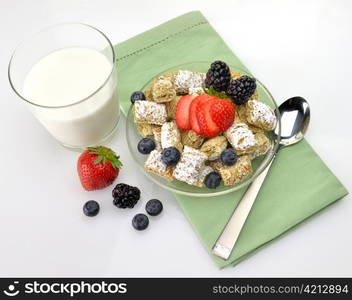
x,y
218,76
241,89
125,195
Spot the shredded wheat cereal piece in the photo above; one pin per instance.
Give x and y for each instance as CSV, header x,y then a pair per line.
x,y
157,133
255,129
240,138
149,112
171,136
189,166
216,165
148,94
241,117
260,115
196,91
234,174
186,80
204,171
163,90
262,145
157,136
144,129
171,107
191,139
171,76
155,165
214,146
241,111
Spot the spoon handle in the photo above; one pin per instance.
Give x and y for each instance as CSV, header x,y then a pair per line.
x,y
227,240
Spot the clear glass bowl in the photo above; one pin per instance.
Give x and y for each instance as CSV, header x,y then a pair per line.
x,y
258,164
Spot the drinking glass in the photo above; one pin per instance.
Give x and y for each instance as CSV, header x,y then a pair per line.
x,y
86,121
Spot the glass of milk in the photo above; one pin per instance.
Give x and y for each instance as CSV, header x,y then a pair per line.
x,y
67,77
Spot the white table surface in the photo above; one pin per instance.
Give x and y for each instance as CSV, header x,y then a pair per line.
x,y
294,47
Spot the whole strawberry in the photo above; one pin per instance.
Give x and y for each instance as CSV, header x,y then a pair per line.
x,y
98,167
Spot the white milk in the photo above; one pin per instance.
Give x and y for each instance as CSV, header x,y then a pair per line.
x,y
65,77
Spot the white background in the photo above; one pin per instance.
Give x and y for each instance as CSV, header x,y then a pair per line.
x,y
294,47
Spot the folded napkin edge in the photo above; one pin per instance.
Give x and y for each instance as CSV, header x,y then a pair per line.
x,y
152,37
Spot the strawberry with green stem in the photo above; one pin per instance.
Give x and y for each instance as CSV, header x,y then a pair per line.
x,y
98,167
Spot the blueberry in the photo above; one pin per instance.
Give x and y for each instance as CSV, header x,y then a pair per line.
x,y
91,208
146,145
154,207
170,156
228,157
140,222
137,96
212,180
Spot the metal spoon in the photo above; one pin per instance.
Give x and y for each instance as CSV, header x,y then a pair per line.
x,y
295,116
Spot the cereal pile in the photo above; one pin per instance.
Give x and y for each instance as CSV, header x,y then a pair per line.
x,y
206,128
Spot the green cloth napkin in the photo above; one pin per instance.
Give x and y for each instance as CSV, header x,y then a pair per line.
x,y
298,185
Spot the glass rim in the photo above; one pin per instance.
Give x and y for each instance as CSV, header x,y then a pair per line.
x,y
50,27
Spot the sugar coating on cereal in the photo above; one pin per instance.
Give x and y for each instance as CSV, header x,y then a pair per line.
x,y
196,91
186,80
214,146
155,165
260,115
204,171
163,90
191,139
170,76
241,138
241,117
189,166
149,112
170,136
236,173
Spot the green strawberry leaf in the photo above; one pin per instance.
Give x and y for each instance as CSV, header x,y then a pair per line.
x,y
98,159
210,91
105,154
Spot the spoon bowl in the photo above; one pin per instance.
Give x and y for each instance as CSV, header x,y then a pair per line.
x,y
295,117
